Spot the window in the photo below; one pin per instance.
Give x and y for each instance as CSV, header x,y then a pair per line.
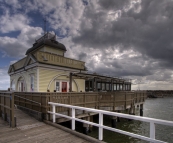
x,y
12,85
61,86
107,86
118,87
103,86
98,86
115,87
57,86
127,87
32,83
86,85
121,87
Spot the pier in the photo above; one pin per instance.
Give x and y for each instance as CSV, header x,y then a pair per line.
x,y
29,130
52,108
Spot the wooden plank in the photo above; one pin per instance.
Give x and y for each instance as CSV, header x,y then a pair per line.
x,y
43,133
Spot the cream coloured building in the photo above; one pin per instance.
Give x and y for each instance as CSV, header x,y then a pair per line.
x,y
45,68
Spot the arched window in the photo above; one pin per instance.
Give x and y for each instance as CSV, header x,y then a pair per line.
x,y
32,82
21,84
12,85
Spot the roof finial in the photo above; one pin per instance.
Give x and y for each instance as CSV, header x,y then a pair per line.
x,y
45,24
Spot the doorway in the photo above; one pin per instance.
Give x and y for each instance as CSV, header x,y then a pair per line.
x,y
64,86
21,86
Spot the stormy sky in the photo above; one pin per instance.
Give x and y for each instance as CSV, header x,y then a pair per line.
x,y
120,38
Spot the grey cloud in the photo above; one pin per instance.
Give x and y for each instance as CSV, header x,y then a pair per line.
x,y
149,32
82,56
114,4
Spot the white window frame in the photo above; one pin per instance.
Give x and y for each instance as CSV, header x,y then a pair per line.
x,y
60,85
13,87
32,84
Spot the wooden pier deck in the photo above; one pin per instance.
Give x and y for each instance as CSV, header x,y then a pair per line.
x,y
30,130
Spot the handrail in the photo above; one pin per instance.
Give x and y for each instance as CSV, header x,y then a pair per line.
x,y
152,121
28,100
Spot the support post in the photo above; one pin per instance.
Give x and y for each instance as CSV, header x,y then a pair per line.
x,y
53,110
90,126
100,126
0,107
114,121
12,110
5,114
118,118
123,88
101,85
73,120
95,84
86,126
152,130
125,102
70,88
141,109
89,85
112,85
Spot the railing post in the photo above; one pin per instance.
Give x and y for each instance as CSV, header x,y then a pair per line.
x,y
100,128
12,110
0,106
53,110
152,130
73,120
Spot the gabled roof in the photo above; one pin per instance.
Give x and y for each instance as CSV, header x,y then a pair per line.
x,y
49,40
30,59
11,69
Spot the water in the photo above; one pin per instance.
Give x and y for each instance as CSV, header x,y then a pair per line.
x,y
160,108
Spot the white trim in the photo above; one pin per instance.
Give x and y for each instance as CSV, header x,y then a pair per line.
x,y
30,66
53,79
12,80
100,125
58,67
76,85
60,85
32,75
22,71
25,85
28,59
49,67
37,79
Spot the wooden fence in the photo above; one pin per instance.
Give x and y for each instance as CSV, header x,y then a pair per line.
x,y
7,107
98,100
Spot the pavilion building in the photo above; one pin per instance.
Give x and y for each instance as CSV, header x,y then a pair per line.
x,y
46,69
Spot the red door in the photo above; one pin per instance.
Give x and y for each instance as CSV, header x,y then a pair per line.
x,y
64,86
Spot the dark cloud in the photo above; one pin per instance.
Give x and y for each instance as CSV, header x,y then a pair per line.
x,y
82,56
130,38
146,27
114,4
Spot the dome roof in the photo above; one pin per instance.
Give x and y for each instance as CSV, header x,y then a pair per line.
x,y
46,41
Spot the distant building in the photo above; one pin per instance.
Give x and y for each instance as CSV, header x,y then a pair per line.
x,y
46,69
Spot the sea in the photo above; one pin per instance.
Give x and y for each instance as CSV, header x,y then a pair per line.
x,y
159,108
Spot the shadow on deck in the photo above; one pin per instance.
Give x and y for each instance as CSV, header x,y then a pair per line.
x,y
30,130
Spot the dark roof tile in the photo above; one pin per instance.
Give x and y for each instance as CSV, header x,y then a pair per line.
x,y
48,42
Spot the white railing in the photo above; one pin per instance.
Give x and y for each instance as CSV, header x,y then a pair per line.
x,y
152,121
